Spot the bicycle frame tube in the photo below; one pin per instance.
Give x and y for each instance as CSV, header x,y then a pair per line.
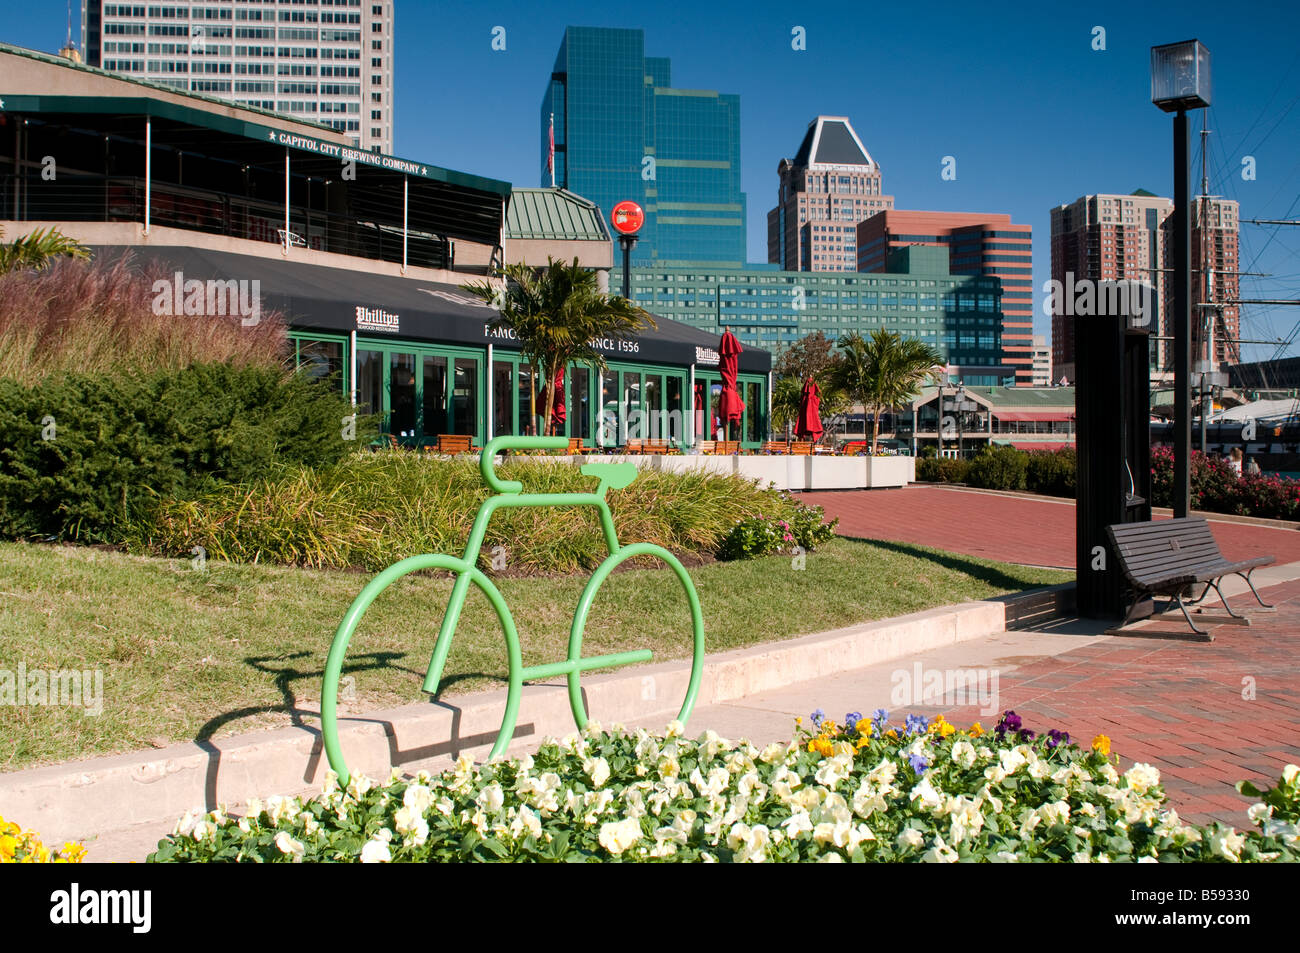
x,y
509,494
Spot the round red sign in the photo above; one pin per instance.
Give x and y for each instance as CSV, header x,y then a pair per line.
x,y
627,217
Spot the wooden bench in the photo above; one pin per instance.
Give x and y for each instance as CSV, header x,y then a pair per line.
x,y
647,446
776,446
454,443
1168,557
854,447
802,448
727,446
706,446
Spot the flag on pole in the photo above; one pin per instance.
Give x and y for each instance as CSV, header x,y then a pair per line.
x,y
550,156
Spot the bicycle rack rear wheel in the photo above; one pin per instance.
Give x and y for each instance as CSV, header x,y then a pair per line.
x,y
584,608
343,635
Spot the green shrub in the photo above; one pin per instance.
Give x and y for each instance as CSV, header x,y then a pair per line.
x,y
998,468
798,529
942,470
85,456
1052,472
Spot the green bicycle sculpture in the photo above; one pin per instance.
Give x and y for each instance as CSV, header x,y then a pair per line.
x,y
611,476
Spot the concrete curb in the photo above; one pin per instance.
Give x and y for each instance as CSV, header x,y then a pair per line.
x,y
77,800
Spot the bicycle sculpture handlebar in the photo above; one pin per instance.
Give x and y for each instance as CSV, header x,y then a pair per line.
x,y
509,493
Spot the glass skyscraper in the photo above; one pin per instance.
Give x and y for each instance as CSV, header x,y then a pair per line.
x,y
623,132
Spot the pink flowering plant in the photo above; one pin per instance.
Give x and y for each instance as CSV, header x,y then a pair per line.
x,y
1217,488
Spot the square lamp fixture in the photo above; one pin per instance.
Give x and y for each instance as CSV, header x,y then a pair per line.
x,y
1180,76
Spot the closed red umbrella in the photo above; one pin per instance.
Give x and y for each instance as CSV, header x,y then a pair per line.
x,y
730,406
558,412
810,411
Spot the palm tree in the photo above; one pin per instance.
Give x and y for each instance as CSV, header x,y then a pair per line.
x,y
39,249
556,313
885,370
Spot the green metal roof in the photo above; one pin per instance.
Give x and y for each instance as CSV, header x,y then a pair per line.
x,y
555,214
1026,397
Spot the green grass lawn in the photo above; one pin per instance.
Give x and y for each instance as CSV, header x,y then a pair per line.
x,y
189,654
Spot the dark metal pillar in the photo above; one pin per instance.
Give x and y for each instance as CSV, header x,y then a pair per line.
x,y
1181,315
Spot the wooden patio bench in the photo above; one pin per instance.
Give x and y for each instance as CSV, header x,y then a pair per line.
x,y
728,446
776,446
646,446
802,448
455,443
1168,557
706,446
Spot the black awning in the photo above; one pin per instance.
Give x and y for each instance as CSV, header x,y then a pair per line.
x,y
341,300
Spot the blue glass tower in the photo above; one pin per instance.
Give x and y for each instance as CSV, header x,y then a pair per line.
x,y
623,132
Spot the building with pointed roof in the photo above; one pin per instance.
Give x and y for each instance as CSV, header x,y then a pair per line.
x,y
831,184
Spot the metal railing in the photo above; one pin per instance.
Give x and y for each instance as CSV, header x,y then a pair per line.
x,y
122,199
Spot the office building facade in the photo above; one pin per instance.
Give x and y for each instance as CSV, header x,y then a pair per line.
x,y
772,308
830,185
623,132
976,244
323,61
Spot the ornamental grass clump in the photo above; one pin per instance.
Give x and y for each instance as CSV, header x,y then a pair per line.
x,y
863,790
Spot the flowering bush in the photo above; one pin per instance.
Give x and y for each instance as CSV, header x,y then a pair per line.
x,y
800,526
18,846
1216,488
862,791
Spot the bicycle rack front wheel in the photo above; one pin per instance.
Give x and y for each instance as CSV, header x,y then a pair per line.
x,y
343,635
584,607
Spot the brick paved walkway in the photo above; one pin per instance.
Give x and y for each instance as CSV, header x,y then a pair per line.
x,y
1006,528
1177,705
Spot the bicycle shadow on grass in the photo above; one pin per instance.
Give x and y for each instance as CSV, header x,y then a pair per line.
x,y
285,675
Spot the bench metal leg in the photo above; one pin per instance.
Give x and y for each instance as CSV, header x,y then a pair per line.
x,y
1178,598
1254,591
1204,592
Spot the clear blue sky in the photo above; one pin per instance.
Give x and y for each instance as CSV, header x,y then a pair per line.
x,y
1033,115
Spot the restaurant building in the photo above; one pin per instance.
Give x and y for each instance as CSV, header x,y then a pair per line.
x,y
961,419
366,254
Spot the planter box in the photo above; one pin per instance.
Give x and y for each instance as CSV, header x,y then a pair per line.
x,y
788,472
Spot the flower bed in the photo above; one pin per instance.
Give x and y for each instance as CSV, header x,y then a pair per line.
x,y
18,846
858,791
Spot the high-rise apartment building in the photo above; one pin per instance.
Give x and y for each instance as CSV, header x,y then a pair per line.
x,y
1109,238
326,61
830,185
1114,237
1215,230
622,131
977,244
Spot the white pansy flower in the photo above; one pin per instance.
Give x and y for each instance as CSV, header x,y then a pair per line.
x,y
492,798
1227,844
1142,777
674,729
598,770
830,858
202,828
1005,857
186,824
618,836
287,845
418,798
939,853
963,753
910,837
1259,813
925,796
376,850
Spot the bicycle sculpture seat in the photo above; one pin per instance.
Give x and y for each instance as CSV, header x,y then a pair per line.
x,y
611,476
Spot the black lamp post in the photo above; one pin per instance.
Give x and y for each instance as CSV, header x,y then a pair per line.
x,y
1180,80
